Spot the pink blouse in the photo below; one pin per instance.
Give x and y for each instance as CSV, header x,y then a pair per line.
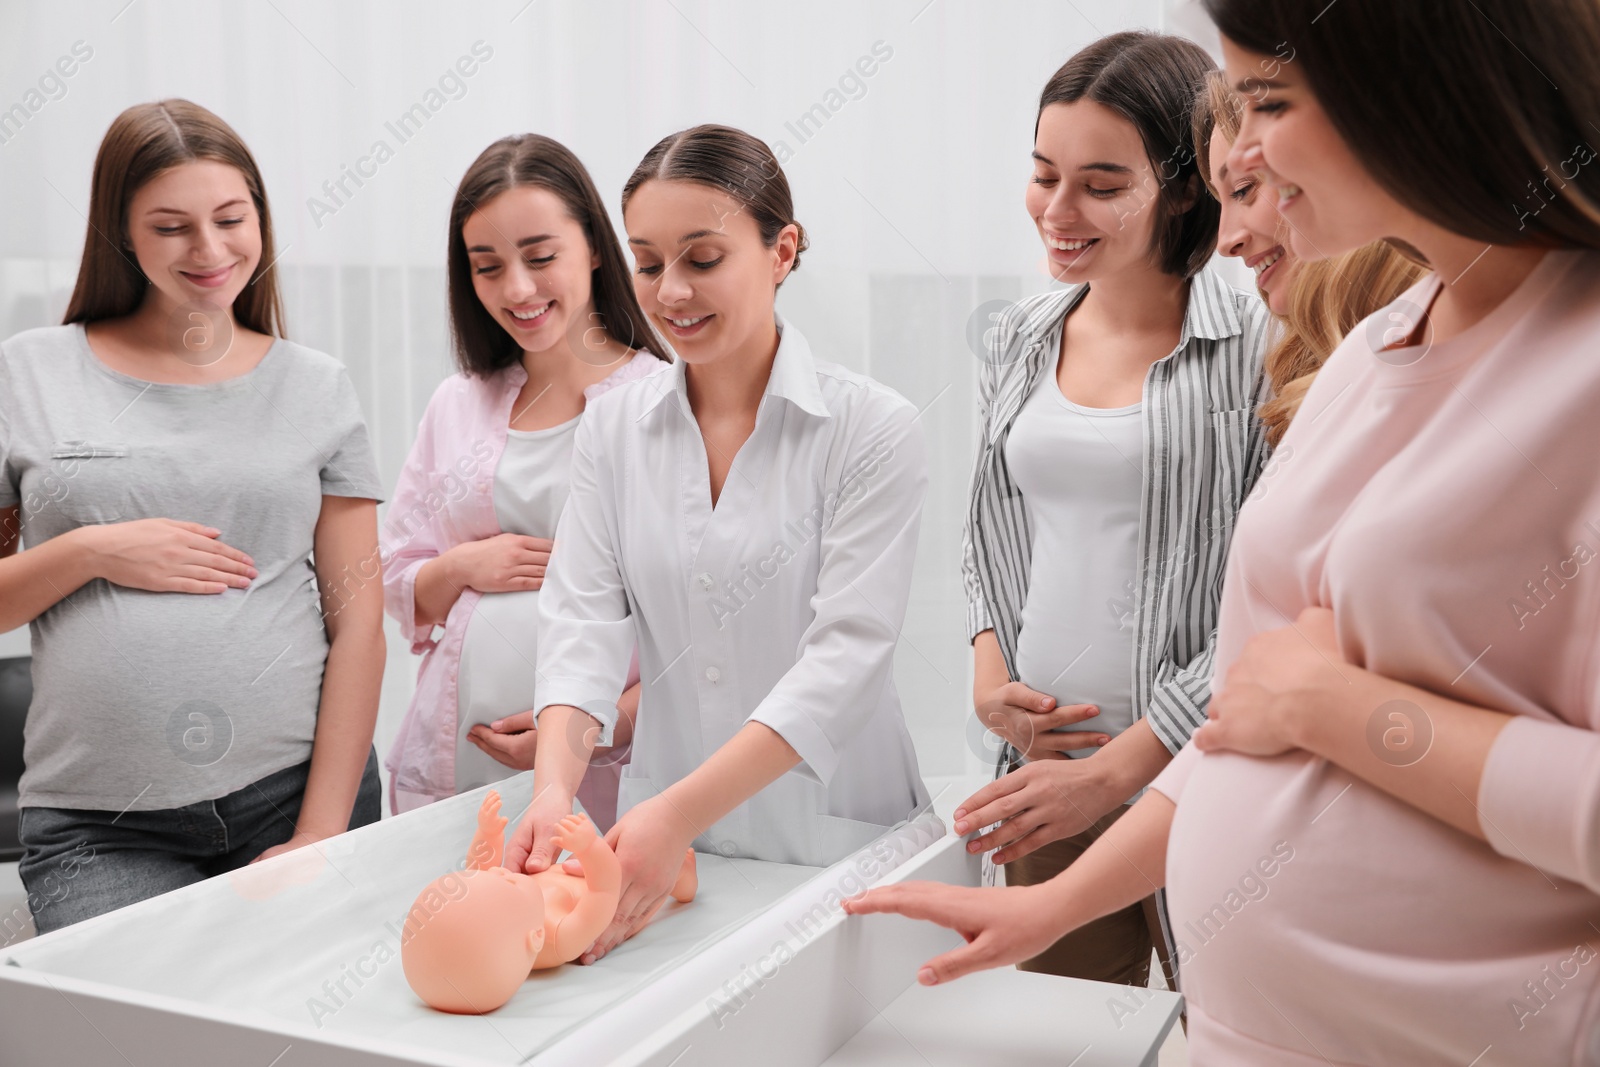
x,y
1445,504
445,496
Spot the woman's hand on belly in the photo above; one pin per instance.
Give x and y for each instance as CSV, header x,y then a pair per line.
x,y
1270,683
504,563
512,740
1024,718
1036,804
1291,689
649,841
1021,716
166,556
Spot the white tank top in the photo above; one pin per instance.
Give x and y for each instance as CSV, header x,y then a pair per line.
x,y
1081,473
500,649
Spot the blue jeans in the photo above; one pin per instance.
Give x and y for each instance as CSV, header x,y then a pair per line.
x,y
83,863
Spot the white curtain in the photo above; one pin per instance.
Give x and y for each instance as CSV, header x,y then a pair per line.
x,y
904,127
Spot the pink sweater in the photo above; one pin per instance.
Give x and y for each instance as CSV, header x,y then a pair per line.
x,y
1446,506
445,496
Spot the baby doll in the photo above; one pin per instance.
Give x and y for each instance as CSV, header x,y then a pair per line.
x,y
472,937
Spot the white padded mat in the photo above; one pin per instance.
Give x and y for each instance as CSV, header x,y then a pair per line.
x,y
312,938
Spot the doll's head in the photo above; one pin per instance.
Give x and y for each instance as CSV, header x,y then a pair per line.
x,y
471,938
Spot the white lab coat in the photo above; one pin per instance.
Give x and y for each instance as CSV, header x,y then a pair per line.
x,y
783,605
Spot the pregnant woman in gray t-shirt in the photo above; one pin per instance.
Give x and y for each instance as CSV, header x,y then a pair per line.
x,y
204,689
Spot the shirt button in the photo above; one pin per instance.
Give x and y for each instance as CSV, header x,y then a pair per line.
x,y
707,581
712,674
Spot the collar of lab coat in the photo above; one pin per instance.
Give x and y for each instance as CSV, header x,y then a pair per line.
x,y
793,377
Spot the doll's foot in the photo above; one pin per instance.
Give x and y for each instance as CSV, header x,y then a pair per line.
x,y
688,883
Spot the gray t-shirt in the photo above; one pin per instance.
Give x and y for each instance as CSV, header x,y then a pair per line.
x,y
146,700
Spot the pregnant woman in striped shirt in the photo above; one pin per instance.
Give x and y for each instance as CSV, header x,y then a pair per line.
x,y
1118,439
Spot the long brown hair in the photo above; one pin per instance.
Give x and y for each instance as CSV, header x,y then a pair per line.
x,y
1149,79
482,345
1327,297
143,141
730,160
1476,116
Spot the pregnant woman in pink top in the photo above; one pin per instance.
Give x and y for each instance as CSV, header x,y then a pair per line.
x,y
544,319
1384,846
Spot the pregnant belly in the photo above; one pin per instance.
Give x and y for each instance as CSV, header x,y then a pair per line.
x,y
1077,666
499,655
1324,891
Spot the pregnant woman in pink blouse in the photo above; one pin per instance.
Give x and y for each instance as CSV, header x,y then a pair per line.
x,y
1384,845
544,319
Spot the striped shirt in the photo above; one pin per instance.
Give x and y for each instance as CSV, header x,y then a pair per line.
x,y
1203,450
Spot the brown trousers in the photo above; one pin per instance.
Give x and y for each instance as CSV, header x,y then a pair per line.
x,y
1114,948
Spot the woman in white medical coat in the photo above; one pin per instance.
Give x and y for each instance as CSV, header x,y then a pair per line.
x,y
749,516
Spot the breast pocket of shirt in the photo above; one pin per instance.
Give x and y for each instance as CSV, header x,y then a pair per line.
x,y
96,479
1230,434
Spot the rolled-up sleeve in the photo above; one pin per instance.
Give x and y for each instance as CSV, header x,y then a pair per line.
x,y
586,633
411,535
846,654
1539,798
1180,695
978,618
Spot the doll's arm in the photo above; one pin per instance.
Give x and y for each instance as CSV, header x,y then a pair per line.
x,y
602,876
484,854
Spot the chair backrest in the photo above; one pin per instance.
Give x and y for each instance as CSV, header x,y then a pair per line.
x,y
16,692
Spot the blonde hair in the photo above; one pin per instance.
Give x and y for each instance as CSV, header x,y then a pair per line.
x,y
1327,297
1218,109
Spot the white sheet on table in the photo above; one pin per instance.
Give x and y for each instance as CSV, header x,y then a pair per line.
x,y
257,942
